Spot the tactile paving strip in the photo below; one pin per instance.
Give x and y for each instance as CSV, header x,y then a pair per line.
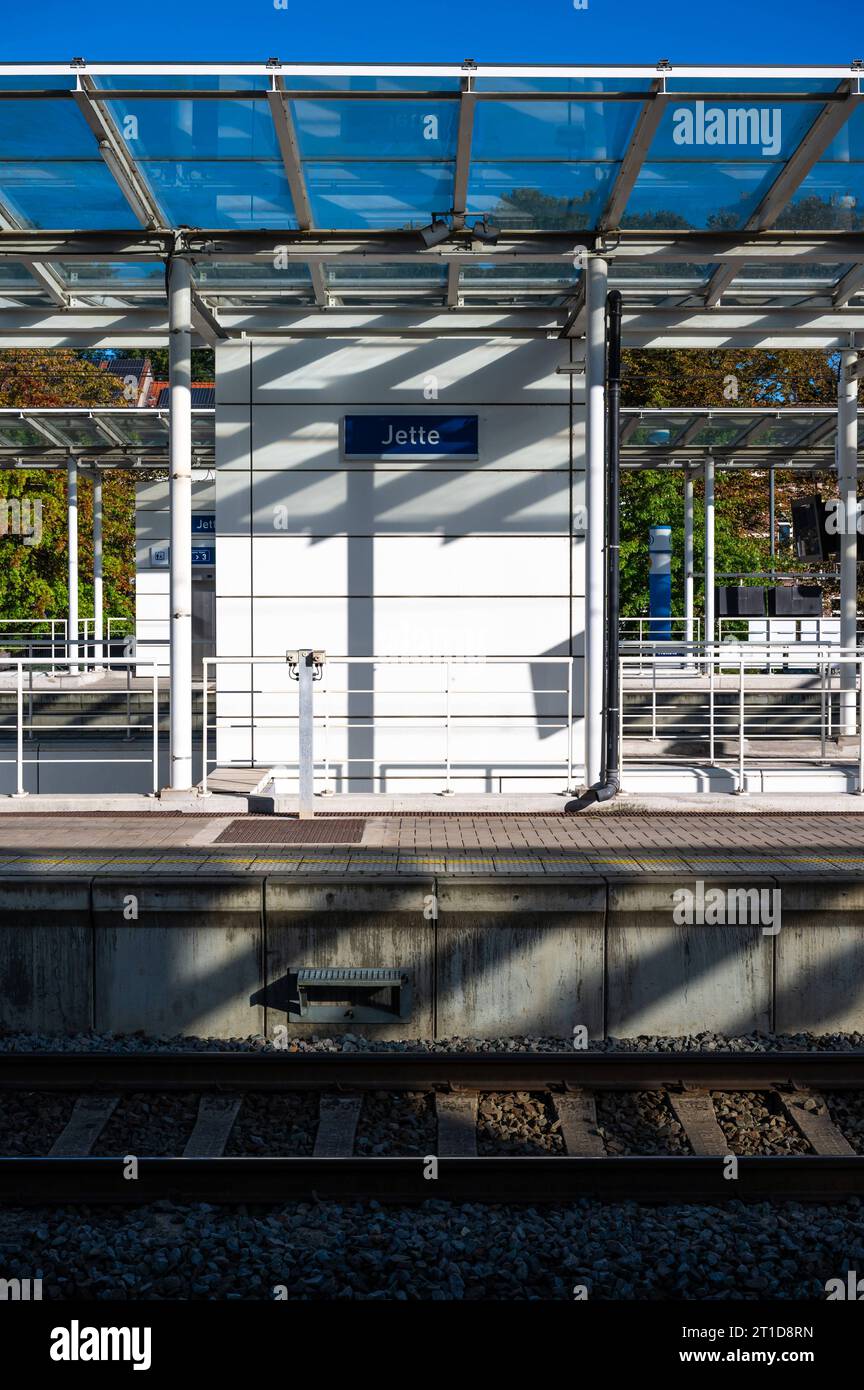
x,y
268,831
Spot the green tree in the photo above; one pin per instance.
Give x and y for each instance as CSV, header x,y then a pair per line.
x,y
33,580
663,379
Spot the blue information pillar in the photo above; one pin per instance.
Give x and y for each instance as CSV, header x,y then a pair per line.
x,y
660,582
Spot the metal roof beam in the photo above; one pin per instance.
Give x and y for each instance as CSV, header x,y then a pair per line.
x,y
848,286
634,156
824,129
368,247
115,153
286,135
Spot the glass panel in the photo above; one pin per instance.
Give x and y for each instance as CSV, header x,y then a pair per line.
x,y
535,272
705,131
562,84
669,272
791,270
849,143
781,433
540,195
566,130
196,129
707,196
346,83
802,83
218,274
378,195
28,83
658,431
217,194
183,82
21,436
377,129
108,272
718,433
72,195
140,428
44,130
13,274
387,274
77,431
831,196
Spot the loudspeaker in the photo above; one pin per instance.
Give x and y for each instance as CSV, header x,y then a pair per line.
x,y
795,601
813,540
739,601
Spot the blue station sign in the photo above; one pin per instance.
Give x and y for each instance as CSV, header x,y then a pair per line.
x,y
410,436
203,522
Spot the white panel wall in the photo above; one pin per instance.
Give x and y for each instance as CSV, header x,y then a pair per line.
x,y
153,527
402,559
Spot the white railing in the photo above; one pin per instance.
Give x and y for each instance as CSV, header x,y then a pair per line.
x,y
22,676
384,702
726,700
669,629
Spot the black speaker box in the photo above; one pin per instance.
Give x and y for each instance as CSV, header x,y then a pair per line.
x,y
739,601
795,601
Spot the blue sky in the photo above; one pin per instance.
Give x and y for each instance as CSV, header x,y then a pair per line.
x,y
518,31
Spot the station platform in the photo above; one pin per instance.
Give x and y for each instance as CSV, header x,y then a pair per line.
x,y
417,925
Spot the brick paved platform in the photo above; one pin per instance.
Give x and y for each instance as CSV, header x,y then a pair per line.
x,y
603,844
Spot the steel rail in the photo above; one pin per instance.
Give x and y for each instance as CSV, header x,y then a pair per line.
x,y
805,1177
481,1071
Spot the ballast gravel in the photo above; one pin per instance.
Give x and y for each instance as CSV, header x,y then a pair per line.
x,y
149,1125
353,1042
30,1121
639,1122
753,1124
435,1251
269,1125
517,1123
396,1124
846,1109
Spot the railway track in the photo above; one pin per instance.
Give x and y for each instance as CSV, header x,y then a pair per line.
x,y
571,1083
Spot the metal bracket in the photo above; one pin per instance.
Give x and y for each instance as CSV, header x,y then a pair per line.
x,y
314,659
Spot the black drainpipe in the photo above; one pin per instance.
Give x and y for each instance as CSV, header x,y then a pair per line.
x,y
611,783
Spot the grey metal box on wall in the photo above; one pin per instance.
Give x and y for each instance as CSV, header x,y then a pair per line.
x,y
319,925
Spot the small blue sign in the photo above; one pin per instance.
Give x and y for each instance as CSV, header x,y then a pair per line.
x,y
203,554
204,521
410,436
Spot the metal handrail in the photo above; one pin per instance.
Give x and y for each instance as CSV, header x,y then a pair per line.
x,y
445,718
735,707
34,665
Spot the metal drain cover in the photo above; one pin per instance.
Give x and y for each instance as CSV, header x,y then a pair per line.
x,y
272,831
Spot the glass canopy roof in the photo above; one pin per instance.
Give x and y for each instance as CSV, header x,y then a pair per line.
x,y
485,151
137,437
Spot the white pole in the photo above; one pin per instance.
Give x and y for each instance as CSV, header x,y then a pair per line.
x,y
595,497
847,478
180,560
688,557
72,557
709,550
98,652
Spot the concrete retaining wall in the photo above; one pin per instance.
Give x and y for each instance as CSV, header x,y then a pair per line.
x,y
219,955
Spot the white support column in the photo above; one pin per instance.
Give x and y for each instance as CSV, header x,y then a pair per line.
x,y
847,478
595,497
98,652
180,452
709,550
689,624
72,649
